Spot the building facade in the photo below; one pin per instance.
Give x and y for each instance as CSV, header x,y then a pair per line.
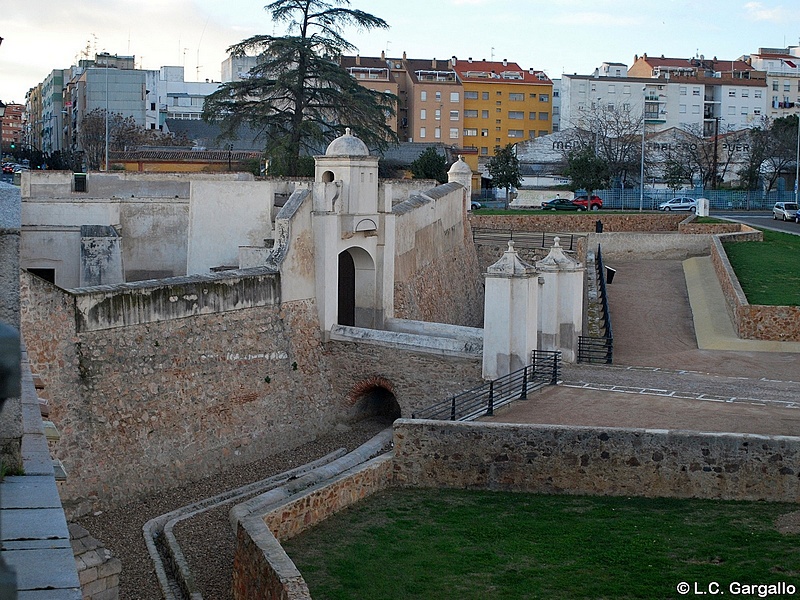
x,y
12,127
782,66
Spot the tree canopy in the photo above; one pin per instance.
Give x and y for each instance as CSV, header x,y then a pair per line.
x,y
430,165
298,96
504,169
587,170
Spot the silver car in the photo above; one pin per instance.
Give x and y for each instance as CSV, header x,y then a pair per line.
x,y
785,211
680,203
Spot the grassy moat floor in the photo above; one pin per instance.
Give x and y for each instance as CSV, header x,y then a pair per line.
x,y
458,544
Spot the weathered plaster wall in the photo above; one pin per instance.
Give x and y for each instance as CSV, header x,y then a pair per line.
x,y
437,277
554,221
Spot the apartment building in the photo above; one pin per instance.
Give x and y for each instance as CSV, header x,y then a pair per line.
x,y
503,103
11,128
705,96
375,74
782,66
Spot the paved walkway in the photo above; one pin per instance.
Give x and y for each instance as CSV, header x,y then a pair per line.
x,y
677,363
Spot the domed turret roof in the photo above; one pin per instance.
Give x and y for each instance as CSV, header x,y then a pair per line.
x,y
460,167
347,145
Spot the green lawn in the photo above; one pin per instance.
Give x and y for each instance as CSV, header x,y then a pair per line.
x,y
768,271
461,545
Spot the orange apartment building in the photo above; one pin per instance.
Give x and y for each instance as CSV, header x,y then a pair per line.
x,y
503,103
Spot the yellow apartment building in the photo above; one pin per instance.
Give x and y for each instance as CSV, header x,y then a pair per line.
x,y
503,104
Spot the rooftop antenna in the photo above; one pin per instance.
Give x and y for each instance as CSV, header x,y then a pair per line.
x,y
387,47
491,54
202,33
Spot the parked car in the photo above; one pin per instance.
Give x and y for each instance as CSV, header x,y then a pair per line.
x,y
596,203
8,167
561,204
785,211
680,203
475,205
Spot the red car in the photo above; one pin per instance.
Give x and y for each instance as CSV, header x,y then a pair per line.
x,y
596,204
8,168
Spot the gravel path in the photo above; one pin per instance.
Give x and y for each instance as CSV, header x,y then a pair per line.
x,y
207,540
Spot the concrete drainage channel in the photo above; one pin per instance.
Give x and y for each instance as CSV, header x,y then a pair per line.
x,y
172,569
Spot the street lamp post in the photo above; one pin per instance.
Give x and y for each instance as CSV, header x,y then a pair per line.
x,y
797,160
641,165
106,144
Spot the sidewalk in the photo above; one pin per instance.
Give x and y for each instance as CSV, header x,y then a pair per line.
x,y
712,323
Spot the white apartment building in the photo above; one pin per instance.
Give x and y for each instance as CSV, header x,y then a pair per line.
x,y
707,96
782,66
170,97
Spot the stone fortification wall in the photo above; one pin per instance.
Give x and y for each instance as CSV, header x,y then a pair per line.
x,y
437,277
553,221
147,406
604,461
752,321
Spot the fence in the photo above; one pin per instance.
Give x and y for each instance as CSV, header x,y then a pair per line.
x,y
523,239
599,349
545,369
629,199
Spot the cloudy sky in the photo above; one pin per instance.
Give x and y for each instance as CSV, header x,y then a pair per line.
x,y
557,36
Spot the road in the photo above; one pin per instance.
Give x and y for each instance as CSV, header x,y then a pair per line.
x,y
761,219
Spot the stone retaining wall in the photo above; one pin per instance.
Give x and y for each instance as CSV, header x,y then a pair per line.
x,y
579,222
98,569
529,459
752,321
597,461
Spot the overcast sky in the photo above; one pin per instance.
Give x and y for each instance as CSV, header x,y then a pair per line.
x,y
557,36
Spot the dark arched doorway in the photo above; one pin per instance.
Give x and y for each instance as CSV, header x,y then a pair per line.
x,y
378,404
347,290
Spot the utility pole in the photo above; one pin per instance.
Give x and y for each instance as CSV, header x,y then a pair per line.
x,y
716,142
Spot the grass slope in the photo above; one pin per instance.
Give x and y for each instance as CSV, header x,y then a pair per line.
x,y
460,545
768,271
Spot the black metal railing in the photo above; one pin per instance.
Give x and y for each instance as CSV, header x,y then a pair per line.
x,y
523,239
484,399
599,349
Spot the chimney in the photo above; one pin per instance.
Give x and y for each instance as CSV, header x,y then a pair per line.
x,y
404,54
469,60
433,63
505,62
383,55
358,60
530,70
453,60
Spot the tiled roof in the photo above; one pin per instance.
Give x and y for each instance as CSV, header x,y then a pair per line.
x,y
184,155
485,71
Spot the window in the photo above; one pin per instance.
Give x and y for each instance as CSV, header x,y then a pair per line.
x,y
532,116
454,133
695,109
437,133
546,97
756,111
744,110
484,95
612,89
531,134
437,114
610,106
515,133
470,95
516,114
683,90
423,114
626,89
484,114
745,93
787,86
556,93
696,91
454,96
542,132
152,106
682,109
499,93
438,95
484,133
484,150
731,110
731,93
423,95
775,85
625,106
757,94
422,132
543,116
469,132
594,87
454,115
470,114
516,97
582,88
